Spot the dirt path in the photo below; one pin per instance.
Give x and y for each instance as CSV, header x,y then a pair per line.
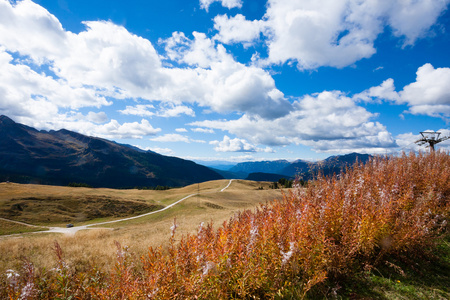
x,y
73,230
229,183
21,223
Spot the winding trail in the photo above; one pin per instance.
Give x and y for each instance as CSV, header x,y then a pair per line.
x,y
73,230
229,183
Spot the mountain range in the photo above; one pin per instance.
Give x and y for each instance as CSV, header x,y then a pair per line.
x,y
61,157
274,170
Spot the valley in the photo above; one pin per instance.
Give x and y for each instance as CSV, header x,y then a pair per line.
x,y
120,218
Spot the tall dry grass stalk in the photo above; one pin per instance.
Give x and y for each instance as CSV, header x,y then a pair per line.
x,y
336,226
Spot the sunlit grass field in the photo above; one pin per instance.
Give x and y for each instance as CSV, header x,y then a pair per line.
x,y
375,231
96,245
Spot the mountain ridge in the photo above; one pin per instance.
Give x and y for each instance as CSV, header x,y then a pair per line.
x,y
270,170
63,156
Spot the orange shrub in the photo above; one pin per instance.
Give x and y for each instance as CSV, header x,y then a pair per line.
x,y
334,226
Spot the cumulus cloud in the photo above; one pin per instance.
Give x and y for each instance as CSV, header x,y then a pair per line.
x,y
204,4
49,73
224,84
109,57
385,91
171,110
89,125
142,110
328,32
175,137
237,145
107,61
428,95
237,29
134,130
166,111
37,33
328,121
233,145
171,137
202,130
412,19
200,52
24,92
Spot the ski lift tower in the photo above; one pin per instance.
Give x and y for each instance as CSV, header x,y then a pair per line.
x,y
431,138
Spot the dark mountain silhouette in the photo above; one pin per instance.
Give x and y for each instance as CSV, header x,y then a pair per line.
x,y
273,167
336,164
61,157
230,175
267,177
298,169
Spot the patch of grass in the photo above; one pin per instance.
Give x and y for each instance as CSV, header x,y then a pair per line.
x,y
57,206
97,246
425,276
71,209
369,233
7,228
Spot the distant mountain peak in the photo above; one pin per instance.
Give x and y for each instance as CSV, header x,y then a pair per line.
x,y
4,120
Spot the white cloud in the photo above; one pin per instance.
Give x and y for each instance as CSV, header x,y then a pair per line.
x,y
385,91
237,29
328,122
202,130
90,125
139,110
428,95
204,4
181,130
317,33
106,61
172,110
200,52
233,145
24,92
98,118
237,145
30,29
166,111
171,137
133,130
412,19
225,85
109,57
175,137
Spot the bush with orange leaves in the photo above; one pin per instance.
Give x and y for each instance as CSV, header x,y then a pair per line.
x,y
335,226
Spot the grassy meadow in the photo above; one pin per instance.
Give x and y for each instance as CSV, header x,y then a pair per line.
x,y
375,231
97,245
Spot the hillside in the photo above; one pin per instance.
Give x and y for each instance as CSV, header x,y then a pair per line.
x,y
260,167
378,231
270,170
266,177
61,157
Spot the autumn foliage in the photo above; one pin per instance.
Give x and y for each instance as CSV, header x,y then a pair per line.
x,y
332,228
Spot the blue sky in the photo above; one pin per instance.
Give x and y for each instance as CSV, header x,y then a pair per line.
x,y
231,80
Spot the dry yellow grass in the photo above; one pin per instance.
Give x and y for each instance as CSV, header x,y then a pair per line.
x,y
97,245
